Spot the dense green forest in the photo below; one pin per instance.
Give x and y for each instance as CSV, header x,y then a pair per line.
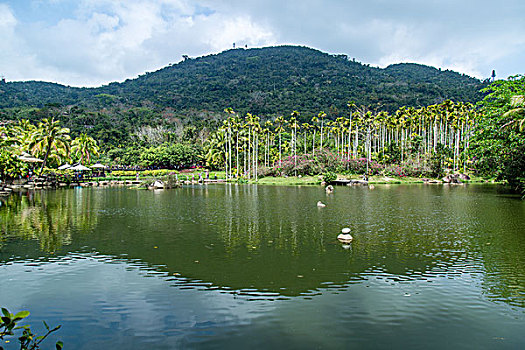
x,y
267,81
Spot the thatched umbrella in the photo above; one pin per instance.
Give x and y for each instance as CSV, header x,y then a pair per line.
x,y
100,168
64,166
98,165
29,159
79,167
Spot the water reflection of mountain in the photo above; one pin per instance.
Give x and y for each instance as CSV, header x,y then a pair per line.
x,y
275,239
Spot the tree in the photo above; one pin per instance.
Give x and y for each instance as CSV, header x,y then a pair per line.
x,y
216,149
84,148
48,137
517,102
294,125
321,116
499,140
10,166
280,122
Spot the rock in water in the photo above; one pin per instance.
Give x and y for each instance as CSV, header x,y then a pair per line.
x,y
345,236
158,184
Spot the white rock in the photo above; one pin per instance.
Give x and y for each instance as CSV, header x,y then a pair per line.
x,y
345,238
158,184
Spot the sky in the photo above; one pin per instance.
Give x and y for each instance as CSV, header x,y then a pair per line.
x,y
94,42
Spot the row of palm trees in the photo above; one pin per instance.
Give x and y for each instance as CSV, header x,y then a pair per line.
x,y
242,144
47,140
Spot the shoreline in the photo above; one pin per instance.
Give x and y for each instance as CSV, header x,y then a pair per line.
x,y
8,189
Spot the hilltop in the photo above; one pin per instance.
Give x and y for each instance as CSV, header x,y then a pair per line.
x,y
265,81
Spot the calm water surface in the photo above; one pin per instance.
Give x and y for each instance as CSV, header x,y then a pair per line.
x,y
232,266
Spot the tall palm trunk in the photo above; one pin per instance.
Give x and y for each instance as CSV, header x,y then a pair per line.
x,y
48,150
313,141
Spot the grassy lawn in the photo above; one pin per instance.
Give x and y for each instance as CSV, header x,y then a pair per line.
x,y
378,179
291,180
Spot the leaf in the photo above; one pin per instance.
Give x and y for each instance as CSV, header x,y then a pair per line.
x,y
59,345
22,314
6,312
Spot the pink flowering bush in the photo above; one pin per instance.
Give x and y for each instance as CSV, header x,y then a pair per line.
x,y
321,162
408,168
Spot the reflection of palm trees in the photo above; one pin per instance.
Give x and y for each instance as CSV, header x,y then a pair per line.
x,y
49,217
253,232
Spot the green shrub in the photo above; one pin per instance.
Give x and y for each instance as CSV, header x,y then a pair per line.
x,y
329,177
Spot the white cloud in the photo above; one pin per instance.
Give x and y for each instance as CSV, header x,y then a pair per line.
x,y
14,59
7,19
114,40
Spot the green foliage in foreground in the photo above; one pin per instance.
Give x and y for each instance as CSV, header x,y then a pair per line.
x,y
499,143
28,340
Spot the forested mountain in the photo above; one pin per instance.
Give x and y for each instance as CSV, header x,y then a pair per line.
x,y
266,81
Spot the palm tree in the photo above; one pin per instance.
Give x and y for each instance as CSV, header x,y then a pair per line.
x,y
294,125
280,121
257,130
267,131
315,120
22,133
321,116
216,149
353,107
229,123
517,102
305,127
48,137
84,147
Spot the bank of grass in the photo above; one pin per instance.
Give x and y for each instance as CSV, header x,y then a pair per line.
x,y
288,181
376,179
316,180
155,174
279,180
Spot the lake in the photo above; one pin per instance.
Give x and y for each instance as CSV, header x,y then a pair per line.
x,y
236,266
